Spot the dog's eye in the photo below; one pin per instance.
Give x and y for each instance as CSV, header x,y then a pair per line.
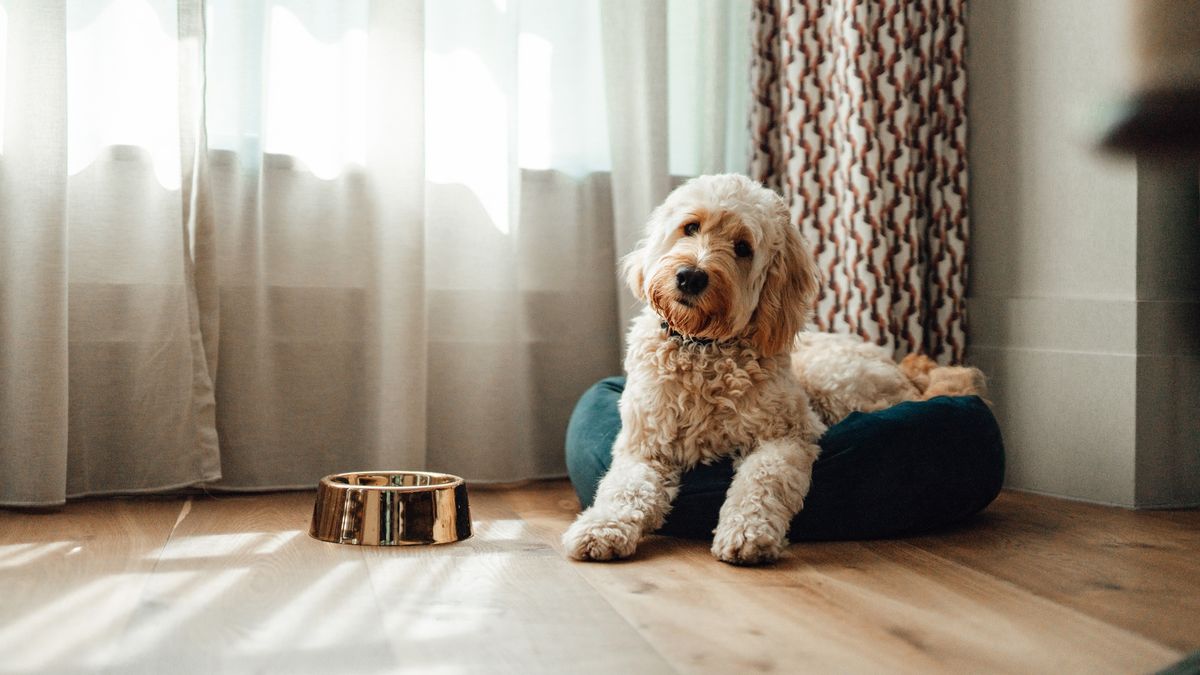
x,y
742,249
691,229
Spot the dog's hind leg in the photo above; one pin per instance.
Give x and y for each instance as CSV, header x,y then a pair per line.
x,y
632,500
768,490
934,380
956,381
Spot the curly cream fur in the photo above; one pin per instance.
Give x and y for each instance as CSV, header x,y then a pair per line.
x,y
731,376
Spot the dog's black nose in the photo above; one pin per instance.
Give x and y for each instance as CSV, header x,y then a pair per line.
x,y
691,280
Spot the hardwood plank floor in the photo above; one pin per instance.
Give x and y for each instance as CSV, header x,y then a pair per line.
x,y
70,581
1136,570
240,587
854,607
234,584
501,602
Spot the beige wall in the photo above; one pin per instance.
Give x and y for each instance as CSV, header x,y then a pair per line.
x,y
1056,318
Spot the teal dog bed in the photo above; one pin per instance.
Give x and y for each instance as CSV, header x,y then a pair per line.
x,y
914,467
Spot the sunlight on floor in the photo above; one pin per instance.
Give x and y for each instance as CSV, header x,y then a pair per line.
x,y
173,600
324,613
70,617
17,555
438,598
222,545
500,530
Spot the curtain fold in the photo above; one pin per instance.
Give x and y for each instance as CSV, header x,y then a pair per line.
x,y
33,253
859,119
638,115
99,346
198,235
247,244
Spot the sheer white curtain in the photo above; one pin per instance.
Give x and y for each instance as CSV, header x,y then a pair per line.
x,y
247,243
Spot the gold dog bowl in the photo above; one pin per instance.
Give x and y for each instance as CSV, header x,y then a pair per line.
x,y
391,508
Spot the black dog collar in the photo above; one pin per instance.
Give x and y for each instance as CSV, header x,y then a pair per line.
x,y
685,339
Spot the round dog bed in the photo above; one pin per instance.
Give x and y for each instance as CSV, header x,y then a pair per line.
x,y
913,467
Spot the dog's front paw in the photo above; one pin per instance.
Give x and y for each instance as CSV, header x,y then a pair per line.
x,y
741,541
592,538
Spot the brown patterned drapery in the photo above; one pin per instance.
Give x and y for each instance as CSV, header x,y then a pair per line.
x,y
859,120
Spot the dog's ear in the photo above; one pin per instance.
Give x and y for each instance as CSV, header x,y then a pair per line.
x,y
787,295
633,265
633,269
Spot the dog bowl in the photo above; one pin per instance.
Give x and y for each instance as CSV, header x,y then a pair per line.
x,y
391,508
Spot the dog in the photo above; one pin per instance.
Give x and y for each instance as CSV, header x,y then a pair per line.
x,y
729,282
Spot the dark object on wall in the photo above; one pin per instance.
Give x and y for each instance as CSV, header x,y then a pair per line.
x,y
1158,122
1163,115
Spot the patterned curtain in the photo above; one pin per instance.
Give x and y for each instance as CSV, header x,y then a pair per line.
x,y
859,119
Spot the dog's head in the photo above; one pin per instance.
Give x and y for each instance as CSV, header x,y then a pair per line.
x,y
722,260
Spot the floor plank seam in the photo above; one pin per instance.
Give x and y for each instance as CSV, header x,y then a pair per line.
x,y
184,510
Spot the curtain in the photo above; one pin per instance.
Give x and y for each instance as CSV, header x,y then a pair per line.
x,y
244,244
859,119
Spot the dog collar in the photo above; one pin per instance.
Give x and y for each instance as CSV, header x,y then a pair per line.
x,y
685,339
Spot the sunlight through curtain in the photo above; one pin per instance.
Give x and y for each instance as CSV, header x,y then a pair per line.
x,y
244,244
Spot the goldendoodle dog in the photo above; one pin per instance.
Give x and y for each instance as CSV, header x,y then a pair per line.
x,y
729,282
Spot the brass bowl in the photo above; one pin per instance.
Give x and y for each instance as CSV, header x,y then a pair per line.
x,y
391,508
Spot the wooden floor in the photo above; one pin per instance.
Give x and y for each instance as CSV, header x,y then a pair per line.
x,y
234,584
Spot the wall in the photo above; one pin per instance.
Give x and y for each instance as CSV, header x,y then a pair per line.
x,y
1066,289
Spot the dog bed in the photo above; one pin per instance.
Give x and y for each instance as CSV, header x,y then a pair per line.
x,y
914,467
